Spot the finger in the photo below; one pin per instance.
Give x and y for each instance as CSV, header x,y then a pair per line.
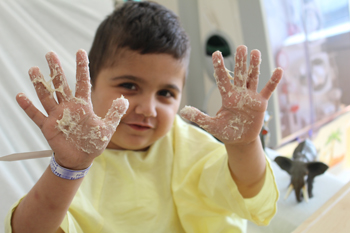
x,y
43,89
240,66
33,113
254,70
196,116
83,86
58,78
222,76
272,83
117,110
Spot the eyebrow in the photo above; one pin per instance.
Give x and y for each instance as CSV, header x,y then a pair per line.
x,y
140,80
128,77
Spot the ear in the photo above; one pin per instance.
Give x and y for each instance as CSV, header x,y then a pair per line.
x,y
284,163
316,168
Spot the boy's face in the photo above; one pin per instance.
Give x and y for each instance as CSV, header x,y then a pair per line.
x,y
153,85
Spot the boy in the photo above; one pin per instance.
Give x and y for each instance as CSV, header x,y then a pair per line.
x,y
158,173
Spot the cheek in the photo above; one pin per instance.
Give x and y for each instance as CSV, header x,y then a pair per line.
x,y
132,106
95,103
166,117
101,104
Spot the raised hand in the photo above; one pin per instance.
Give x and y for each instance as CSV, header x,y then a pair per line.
x,y
72,129
241,116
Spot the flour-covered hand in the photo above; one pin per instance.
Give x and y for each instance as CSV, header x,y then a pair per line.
x,y
74,132
241,116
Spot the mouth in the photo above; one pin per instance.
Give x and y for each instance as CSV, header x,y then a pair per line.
x,y
139,127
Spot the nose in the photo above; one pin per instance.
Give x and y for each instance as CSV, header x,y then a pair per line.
x,y
146,106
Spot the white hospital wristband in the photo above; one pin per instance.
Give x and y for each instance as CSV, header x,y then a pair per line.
x,y
66,173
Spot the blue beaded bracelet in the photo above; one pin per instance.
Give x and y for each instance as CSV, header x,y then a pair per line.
x,y
66,173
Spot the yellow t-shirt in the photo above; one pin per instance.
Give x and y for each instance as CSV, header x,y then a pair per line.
x,y
181,184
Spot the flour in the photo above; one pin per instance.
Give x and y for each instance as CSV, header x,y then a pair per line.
x,y
79,101
237,98
87,138
234,129
68,124
243,97
229,72
189,112
47,84
274,81
25,97
91,138
230,124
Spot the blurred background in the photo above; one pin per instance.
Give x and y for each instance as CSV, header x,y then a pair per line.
x,y
309,39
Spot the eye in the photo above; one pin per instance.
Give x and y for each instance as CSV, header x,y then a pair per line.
x,y
130,86
166,93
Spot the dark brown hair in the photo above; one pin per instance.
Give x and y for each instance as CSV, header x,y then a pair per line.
x,y
145,27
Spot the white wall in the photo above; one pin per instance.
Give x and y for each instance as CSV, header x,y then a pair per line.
x,y
28,30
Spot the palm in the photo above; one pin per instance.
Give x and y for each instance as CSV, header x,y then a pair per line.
x,y
71,127
240,118
239,124
77,128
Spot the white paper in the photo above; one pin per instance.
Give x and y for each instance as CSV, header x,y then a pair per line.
x,y
26,155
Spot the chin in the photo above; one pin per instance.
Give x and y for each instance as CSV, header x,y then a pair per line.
x,y
129,146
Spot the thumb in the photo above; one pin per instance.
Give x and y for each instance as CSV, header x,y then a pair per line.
x,y
196,116
117,110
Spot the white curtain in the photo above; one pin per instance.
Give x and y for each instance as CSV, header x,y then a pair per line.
x,y
28,30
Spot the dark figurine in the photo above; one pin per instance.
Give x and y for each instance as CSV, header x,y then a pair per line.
x,y
303,166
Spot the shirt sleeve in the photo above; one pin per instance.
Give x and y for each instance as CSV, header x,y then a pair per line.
x,y
8,227
208,199
206,196
82,216
69,224
217,184
263,206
